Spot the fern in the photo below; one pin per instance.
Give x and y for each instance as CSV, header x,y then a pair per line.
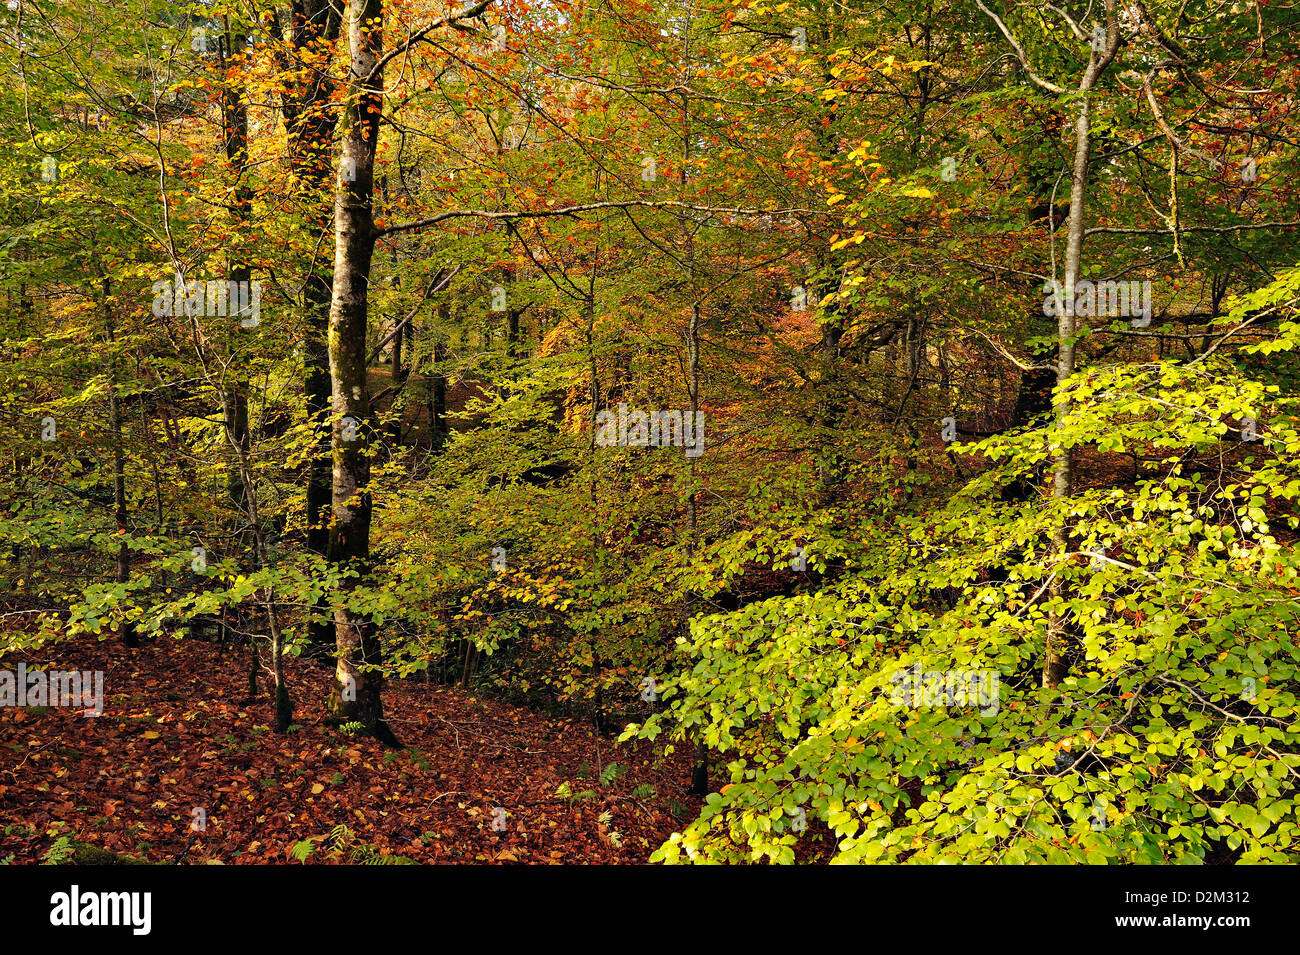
x,y
340,838
60,852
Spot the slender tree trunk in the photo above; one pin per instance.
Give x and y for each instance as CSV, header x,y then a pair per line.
x,y
119,458
283,703
597,541
311,126
700,767
234,394
396,372
1054,662
359,679
438,384
320,629
233,390
235,132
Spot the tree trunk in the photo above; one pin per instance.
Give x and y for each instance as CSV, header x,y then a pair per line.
x,y
119,467
700,769
1054,661
438,385
359,681
311,127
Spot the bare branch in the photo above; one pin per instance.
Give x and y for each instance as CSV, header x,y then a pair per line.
x,y
1020,52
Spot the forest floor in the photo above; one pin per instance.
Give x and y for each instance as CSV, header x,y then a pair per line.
x,y
177,747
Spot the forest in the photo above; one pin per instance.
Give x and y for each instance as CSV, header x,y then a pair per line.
x,y
649,431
